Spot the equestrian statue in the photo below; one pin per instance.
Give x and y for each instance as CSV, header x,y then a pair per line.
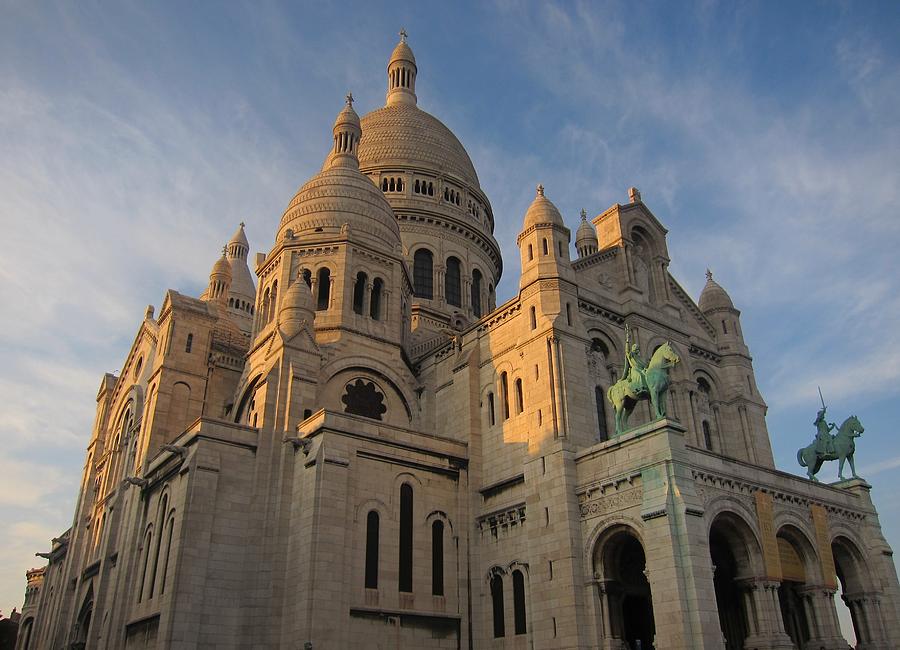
x,y
642,380
826,446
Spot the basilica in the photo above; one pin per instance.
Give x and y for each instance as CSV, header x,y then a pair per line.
x,y
345,442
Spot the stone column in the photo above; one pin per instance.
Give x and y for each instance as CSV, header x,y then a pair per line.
x,y
367,299
820,613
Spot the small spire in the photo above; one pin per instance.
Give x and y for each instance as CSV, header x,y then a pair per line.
x,y
708,275
403,34
224,251
583,214
540,189
243,224
349,99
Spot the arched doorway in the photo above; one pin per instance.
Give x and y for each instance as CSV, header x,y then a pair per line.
x,y
795,553
853,574
733,548
626,604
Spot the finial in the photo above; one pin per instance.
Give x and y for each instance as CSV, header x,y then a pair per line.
x,y
349,99
243,224
224,251
403,34
583,214
708,275
540,190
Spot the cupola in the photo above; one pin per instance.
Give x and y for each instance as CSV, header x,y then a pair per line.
x,y
346,131
716,305
402,74
586,237
219,280
544,241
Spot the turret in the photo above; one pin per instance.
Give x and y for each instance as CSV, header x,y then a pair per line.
x,y
219,281
242,294
586,237
297,309
716,305
543,242
402,74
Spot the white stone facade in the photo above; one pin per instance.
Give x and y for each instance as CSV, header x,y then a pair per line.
x,y
365,451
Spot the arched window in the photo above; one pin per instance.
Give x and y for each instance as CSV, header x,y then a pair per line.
x,y
359,292
160,520
518,581
372,525
323,281
724,328
530,253
491,416
189,344
520,399
476,293
307,277
375,299
707,435
416,186
569,314
273,301
165,572
546,250
384,185
406,538
497,602
148,543
423,274
437,558
600,398
504,389
452,283
533,318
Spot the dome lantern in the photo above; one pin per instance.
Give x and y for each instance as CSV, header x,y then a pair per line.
x,y
402,74
347,132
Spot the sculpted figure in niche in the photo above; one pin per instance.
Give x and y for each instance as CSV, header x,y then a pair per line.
x,y
641,271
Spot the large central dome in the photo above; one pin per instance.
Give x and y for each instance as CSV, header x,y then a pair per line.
x,y
404,135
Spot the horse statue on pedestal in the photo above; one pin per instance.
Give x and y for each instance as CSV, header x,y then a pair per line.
x,y
841,448
640,382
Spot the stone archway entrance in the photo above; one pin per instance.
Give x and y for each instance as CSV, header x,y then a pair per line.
x,y
791,593
626,604
729,594
863,603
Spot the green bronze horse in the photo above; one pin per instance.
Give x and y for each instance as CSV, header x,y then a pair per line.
x,y
625,395
843,446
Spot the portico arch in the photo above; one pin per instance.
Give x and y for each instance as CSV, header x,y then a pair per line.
x,y
626,606
735,553
858,591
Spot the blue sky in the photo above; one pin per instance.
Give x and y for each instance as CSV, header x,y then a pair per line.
x,y
765,136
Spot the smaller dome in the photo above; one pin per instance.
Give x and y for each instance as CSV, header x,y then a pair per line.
x,y
714,297
221,267
402,53
239,237
347,116
296,308
586,235
542,210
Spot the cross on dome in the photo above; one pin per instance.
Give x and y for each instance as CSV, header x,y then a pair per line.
x,y
349,99
709,275
243,224
540,189
403,35
583,214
